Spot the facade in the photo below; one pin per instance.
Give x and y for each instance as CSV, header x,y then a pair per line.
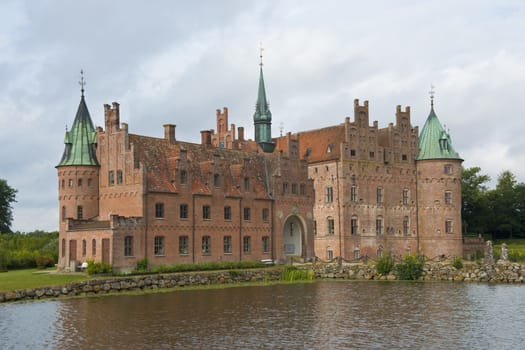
x,y
124,197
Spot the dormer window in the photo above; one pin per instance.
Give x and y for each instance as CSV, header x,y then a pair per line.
x,y
330,148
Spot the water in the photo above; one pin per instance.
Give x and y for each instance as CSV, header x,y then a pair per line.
x,y
321,315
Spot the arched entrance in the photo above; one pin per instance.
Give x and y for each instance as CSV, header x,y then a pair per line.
x,y
293,237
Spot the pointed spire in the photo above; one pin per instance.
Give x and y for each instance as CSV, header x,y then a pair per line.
x,y
263,117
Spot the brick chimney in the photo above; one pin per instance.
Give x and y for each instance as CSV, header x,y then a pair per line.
x,y
169,133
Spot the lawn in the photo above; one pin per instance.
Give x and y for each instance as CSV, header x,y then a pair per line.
x,y
33,278
515,246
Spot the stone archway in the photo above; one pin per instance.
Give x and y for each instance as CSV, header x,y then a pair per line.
x,y
293,237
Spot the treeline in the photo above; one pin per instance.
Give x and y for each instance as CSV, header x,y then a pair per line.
x,y
498,213
28,250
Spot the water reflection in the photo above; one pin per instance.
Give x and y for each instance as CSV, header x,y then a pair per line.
x,y
325,315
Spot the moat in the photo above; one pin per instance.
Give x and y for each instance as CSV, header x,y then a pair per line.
x,y
319,315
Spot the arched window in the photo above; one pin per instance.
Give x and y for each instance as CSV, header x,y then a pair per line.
x,y
94,247
84,247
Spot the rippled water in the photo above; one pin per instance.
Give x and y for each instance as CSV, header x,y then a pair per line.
x,y
321,315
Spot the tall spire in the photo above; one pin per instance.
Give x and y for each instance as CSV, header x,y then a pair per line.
x,y
262,117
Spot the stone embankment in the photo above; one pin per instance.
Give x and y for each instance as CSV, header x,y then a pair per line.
x,y
145,282
500,272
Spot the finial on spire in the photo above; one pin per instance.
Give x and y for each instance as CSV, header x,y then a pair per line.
x,y
261,49
281,127
82,82
431,93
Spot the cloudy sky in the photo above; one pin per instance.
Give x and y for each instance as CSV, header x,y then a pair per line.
x,y
178,61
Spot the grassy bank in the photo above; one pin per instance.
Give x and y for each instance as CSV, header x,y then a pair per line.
x,y
516,249
34,278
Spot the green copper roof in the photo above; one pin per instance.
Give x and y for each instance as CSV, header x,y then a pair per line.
x,y
262,119
80,141
262,109
434,141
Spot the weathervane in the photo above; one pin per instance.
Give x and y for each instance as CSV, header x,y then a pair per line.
x,y
82,82
431,93
261,49
281,127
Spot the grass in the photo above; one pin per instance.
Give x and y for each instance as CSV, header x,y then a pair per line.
x,y
34,278
515,246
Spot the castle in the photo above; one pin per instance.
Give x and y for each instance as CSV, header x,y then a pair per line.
x,y
349,190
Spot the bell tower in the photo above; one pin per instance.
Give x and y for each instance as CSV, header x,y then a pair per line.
x,y
262,118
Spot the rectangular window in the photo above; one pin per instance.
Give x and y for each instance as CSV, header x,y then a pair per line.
x,y
159,245
315,227
206,212
227,240
119,177
84,247
247,214
448,226
266,244
227,213
372,155
216,180
329,254
183,245
405,226
294,188
246,183
357,253
448,197
94,247
70,183
80,212
331,226
266,215
404,157
379,226
447,169
380,195
285,187
405,196
79,183
90,182
183,211
159,210
353,225
302,189
206,245
353,194
246,244
183,177
111,178
352,152
329,195
128,246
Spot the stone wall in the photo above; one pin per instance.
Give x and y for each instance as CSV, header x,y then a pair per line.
x,y
137,283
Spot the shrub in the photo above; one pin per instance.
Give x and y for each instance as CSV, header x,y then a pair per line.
x,y
457,263
410,268
43,261
142,264
477,255
98,268
291,273
225,265
385,264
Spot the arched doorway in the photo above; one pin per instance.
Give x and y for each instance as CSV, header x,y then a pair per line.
x,y
293,237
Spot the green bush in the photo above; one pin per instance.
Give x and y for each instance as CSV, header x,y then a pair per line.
x,y
292,273
44,261
385,264
142,264
410,268
98,268
477,255
457,263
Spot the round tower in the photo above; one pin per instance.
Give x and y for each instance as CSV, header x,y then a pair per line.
x,y
438,192
78,179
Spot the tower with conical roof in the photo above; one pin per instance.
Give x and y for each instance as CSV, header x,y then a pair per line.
x,y
262,118
438,191
78,177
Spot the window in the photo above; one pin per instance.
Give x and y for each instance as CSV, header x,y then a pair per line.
x,y
405,196
80,212
206,245
266,244
84,247
183,245
206,212
227,213
447,169
227,243
183,211
352,152
353,194
372,155
247,214
404,157
315,227
285,187
94,247
159,245
302,189
63,183
70,183
405,226
357,254
294,188
128,246
216,180
380,195
63,213
246,183
266,215
329,254
159,210
111,178
246,244
119,177
183,177
331,227
379,225
79,182
329,194
448,197
63,247
353,225
448,226
90,182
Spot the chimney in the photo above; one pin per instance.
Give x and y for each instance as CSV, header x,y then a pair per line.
x,y
169,133
240,133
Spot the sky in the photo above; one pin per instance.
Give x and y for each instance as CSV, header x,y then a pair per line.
x,y
179,61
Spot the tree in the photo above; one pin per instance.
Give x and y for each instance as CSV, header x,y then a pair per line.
x,y
474,200
7,197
